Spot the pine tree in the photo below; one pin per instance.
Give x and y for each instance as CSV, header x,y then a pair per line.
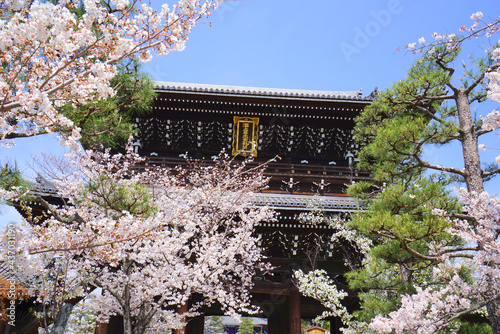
x,y
431,106
246,326
109,123
215,325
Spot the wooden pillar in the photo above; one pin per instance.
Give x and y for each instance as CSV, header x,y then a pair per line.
x,y
115,325
294,310
335,325
101,328
181,310
196,325
278,320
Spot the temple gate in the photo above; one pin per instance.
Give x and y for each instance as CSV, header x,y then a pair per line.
x,y
312,133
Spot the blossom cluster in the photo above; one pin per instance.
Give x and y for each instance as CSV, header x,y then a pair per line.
x,y
435,307
492,121
150,238
318,285
51,56
429,310
341,235
452,41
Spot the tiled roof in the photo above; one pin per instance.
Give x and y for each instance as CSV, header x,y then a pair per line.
x,y
256,91
43,187
7,273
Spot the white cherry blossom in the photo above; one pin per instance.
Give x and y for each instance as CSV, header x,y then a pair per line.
x,y
50,56
150,238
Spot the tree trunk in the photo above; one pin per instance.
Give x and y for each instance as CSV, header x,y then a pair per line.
x,y
143,319
473,177
494,315
127,318
61,321
139,329
472,164
406,275
127,321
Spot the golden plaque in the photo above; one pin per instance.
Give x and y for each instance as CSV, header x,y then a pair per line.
x,y
245,135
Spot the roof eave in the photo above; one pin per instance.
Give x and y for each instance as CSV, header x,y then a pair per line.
x,y
253,92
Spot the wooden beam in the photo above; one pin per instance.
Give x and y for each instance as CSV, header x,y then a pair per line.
x,y
294,310
270,288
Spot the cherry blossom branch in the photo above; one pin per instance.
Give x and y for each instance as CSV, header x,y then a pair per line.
x,y
481,77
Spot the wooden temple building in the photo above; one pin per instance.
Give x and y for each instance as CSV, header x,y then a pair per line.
x,y
312,133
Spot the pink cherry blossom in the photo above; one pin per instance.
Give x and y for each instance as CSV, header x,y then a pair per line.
x,y
150,238
51,56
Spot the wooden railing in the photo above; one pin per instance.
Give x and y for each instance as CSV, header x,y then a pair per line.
x,y
277,169
320,171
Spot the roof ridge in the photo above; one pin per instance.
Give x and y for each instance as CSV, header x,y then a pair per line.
x,y
281,92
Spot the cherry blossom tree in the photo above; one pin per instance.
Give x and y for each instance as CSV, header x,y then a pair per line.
x,y
54,54
150,238
452,294
59,56
318,285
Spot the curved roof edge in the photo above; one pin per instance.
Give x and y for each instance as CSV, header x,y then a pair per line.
x,y
257,91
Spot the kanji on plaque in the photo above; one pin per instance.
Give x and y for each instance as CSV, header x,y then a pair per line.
x,y
245,132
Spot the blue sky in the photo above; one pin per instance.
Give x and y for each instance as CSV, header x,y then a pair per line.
x,y
317,45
